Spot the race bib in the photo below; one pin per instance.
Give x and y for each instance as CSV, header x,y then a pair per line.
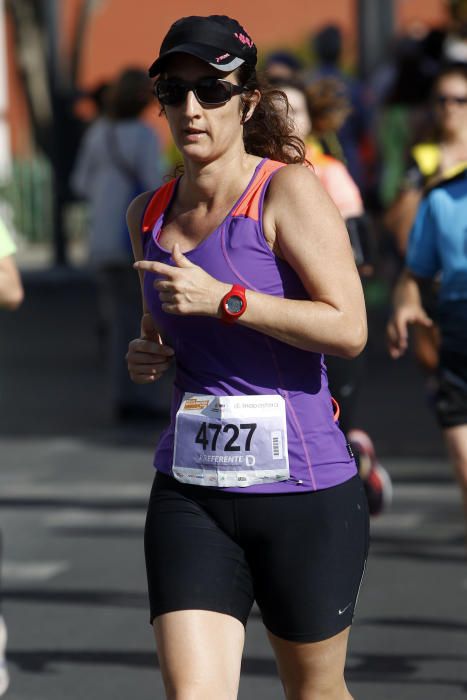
x,y
231,440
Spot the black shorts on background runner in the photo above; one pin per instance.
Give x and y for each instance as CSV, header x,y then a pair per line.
x,y
451,395
300,556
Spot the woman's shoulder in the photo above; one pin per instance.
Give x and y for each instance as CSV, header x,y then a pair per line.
x,y
136,209
292,178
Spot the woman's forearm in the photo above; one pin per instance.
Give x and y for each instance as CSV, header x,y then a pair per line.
x,y
11,289
309,325
406,291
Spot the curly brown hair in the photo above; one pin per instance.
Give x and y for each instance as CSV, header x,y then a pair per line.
x,y
269,132
328,105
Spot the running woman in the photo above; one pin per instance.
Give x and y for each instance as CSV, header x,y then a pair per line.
x,y
430,161
248,276
437,246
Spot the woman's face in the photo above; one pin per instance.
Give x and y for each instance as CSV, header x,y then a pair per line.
x,y
451,103
298,111
203,132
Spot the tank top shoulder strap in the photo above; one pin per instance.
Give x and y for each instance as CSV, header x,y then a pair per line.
x,y
156,205
250,203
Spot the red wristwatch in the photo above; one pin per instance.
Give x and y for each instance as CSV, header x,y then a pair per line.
x,y
233,304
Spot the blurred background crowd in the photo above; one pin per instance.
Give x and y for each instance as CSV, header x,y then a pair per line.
x,y
68,65
81,133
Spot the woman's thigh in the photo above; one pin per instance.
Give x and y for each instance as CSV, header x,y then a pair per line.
x,y
307,553
200,654
193,560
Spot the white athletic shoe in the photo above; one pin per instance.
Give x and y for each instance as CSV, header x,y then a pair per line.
x,y
4,677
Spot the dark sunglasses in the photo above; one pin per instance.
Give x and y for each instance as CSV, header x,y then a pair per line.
x,y
209,91
443,100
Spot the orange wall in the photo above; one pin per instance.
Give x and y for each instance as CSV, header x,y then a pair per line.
x,y
431,12
119,35
136,37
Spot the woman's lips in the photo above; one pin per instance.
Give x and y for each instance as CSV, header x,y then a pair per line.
x,y
193,134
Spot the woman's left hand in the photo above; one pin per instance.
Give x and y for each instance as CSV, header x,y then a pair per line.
x,y
185,289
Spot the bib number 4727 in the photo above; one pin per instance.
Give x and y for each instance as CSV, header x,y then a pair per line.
x,y
208,436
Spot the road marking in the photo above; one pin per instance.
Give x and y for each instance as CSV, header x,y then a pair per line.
x,y
396,521
85,518
102,491
434,493
32,571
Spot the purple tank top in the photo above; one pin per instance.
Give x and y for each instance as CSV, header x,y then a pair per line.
x,y
218,359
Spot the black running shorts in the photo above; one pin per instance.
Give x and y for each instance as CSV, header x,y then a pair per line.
x,y
300,556
451,396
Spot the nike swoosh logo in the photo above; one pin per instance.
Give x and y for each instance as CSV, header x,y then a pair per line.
x,y
341,612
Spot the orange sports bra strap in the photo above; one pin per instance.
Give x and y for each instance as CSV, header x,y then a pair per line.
x,y
156,205
336,409
250,202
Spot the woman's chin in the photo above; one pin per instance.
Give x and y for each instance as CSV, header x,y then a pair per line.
x,y
195,153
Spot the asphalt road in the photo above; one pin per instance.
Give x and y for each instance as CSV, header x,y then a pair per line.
x,y
73,491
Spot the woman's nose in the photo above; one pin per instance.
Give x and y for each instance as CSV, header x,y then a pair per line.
x,y
191,105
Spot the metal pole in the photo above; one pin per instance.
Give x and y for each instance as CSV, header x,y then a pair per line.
x,y
375,21
51,14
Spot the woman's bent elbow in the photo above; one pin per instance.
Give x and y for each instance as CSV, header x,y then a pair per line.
x,y
355,342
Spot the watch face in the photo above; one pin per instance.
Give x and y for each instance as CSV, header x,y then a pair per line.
x,y
234,304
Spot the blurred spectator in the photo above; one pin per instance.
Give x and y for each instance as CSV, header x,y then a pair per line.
x,y
282,65
120,157
455,45
355,131
318,111
403,85
403,116
446,149
100,96
11,296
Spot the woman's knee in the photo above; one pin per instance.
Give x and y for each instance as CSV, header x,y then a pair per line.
x,y
313,671
311,690
198,692
199,654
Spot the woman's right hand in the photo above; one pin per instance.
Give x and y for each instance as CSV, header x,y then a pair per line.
x,y
397,329
148,358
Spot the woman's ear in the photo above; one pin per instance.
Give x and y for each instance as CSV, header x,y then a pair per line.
x,y
249,105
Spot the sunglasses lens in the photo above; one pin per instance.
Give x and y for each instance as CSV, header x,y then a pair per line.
x,y
170,93
213,92
209,91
